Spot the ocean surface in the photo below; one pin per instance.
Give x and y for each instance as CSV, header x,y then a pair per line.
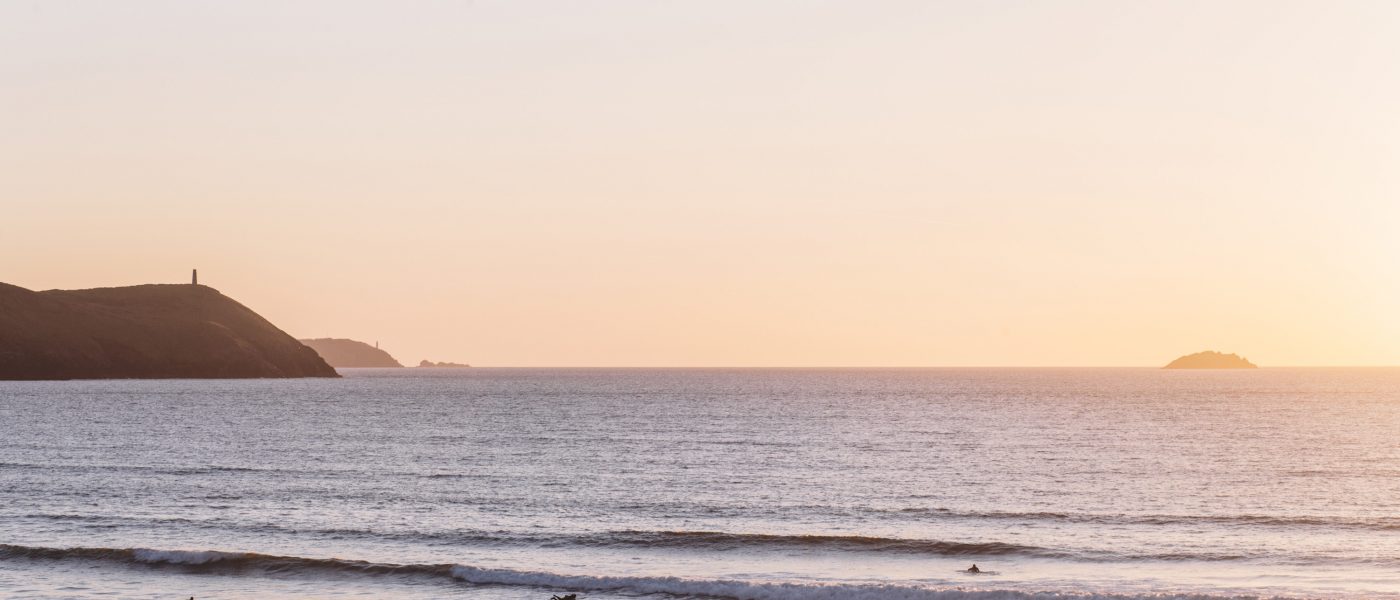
x,y
739,484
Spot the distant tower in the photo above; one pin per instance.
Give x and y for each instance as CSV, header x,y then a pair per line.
x,y
194,277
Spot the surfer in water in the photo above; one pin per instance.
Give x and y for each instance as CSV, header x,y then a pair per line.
x,y
974,569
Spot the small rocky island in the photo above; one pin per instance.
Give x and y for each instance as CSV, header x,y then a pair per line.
x,y
143,332
1211,359
351,354
428,364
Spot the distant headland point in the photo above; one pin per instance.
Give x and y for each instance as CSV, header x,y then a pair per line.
x,y
1211,359
428,364
351,354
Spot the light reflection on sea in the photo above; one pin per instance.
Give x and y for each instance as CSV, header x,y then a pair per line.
x,y
625,483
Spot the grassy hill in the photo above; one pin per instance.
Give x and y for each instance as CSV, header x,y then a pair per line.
x,y
144,331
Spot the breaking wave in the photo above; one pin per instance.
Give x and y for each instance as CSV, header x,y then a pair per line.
x,y
251,564
701,541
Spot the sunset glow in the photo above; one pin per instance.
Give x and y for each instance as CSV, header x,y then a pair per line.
x,y
726,183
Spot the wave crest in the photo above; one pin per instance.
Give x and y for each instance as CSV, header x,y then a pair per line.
x,y
200,561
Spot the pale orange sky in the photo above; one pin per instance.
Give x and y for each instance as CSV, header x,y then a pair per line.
x,y
726,183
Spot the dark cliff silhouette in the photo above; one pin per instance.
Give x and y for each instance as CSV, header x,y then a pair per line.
x,y
143,332
343,353
1211,360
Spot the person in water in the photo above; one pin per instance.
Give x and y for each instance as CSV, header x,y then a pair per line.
x,y
974,569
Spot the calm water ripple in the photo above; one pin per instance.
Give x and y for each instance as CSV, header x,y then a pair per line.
x,y
807,483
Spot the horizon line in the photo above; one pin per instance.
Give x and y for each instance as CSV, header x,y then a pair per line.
x,y
1163,368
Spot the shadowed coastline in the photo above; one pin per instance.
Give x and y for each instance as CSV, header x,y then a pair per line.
x,y
143,332
344,353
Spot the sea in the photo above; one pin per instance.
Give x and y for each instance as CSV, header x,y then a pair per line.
x,y
762,484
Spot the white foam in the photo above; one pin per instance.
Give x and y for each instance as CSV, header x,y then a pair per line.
x,y
178,557
563,583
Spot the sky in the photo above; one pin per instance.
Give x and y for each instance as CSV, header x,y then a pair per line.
x,y
717,183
